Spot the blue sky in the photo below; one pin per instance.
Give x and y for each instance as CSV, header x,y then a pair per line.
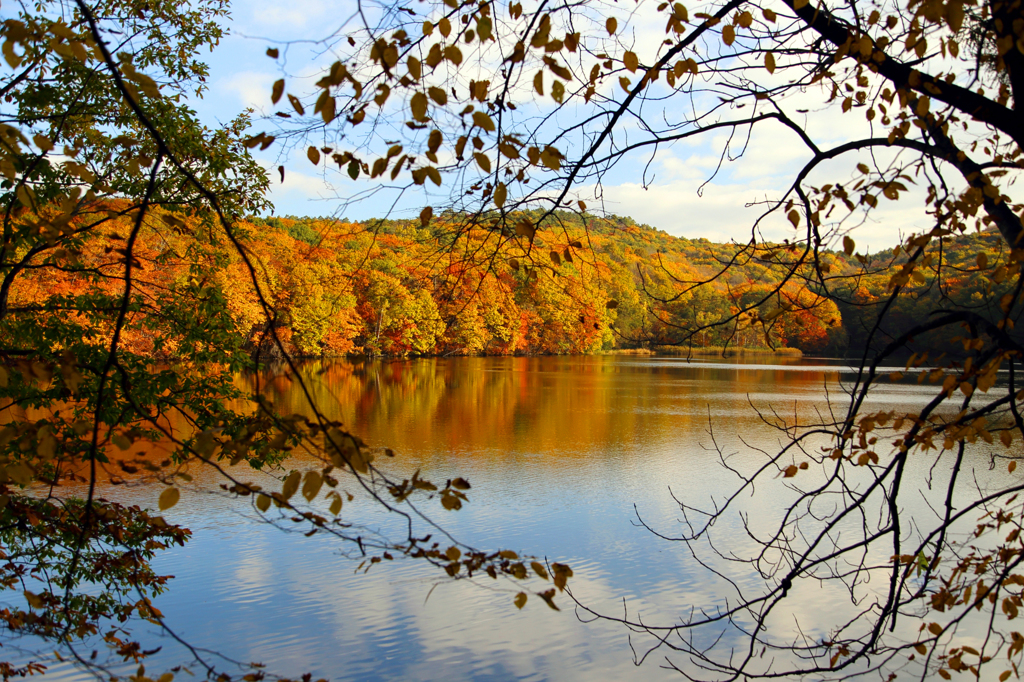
x,y
242,74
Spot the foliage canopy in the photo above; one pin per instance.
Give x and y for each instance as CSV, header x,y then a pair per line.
x,y
512,109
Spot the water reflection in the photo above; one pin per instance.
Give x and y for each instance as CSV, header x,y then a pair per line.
x,y
559,450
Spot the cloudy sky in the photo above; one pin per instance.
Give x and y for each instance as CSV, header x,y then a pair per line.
x,y
242,74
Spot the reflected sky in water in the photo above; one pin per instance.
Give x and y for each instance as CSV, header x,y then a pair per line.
x,y
562,452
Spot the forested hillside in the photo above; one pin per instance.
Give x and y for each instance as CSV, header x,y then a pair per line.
x,y
584,284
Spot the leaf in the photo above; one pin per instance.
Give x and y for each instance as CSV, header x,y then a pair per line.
x,y
549,598
336,504
484,121
525,228
557,91
555,258
935,629
425,216
769,62
483,161
168,498
438,95
630,61
520,600
291,485
35,601
272,52
311,486
500,194
624,83
263,502
418,106
848,246
508,554
538,82
539,569
611,24
43,142
794,217
982,260
313,154
728,34
277,90
612,304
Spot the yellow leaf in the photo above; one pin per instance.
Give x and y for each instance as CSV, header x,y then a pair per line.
x,y
525,228
483,161
508,554
445,27
438,95
500,194
582,204
769,62
520,600
611,24
624,82
935,629
728,34
415,70
484,121
982,261
538,82
291,485
418,106
277,90
630,61
43,142
336,505
313,154
794,217
539,569
263,502
168,498
311,486
555,258
35,601
557,91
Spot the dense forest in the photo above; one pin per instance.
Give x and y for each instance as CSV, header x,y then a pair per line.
x,y
582,284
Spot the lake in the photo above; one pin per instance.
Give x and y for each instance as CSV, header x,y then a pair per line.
x,y
563,454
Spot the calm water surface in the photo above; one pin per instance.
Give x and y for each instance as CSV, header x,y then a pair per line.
x,y
563,453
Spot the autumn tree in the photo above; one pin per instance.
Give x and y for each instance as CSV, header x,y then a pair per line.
x,y
510,107
128,289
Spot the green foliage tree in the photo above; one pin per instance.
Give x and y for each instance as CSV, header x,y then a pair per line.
x,y
124,273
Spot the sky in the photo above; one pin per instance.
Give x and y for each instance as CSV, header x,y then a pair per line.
x,y
670,199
